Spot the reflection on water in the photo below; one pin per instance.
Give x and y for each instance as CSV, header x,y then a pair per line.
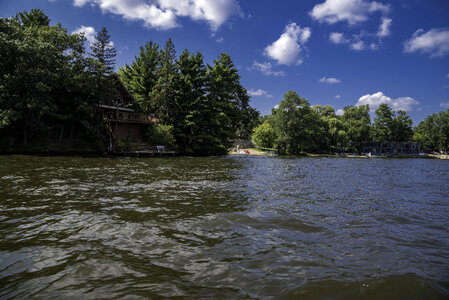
x,y
309,228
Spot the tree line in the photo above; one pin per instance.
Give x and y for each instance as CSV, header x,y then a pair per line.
x,y
295,127
51,88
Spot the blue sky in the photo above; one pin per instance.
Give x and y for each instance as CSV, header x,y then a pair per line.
x,y
337,52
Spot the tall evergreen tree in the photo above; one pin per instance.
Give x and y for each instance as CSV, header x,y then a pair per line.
x,y
163,95
104,52
223,86
190,99
141,76
36,17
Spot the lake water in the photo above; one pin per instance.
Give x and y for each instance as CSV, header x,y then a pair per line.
x,y
230,227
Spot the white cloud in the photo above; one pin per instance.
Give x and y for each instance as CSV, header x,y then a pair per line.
x,y
337,96
340,112
287,48
351,11
357,46
88,31
384,28
162,14
259,92
266,69
90,34
444,105
434,42
447,75
220,40
374,46
338,38
374,100
329,80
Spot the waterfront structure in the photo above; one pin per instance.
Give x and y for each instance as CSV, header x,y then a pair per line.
x,y
391,148
124,123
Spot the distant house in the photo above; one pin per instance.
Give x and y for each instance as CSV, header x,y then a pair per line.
x,y
392,148
122,119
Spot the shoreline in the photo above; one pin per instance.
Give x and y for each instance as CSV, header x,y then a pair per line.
x,y
256,152
253,152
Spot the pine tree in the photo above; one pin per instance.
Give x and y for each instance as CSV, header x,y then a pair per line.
x,y
104,52
223,86
163,95
190,101
36,17
141,76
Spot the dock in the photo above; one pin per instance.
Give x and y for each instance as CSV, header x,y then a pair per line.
x,y
159,152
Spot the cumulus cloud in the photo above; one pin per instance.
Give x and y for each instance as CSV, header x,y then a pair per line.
x,y
287,48
329,80
351,11
444,104
337,96
357,46
266,69
88,31
354,12
162,14
384,28
340,112
376,99
434,42
258,93
338,38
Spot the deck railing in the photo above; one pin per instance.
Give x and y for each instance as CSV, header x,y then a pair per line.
x,y
129,117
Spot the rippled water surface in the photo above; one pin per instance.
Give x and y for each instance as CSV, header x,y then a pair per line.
x,y
307,228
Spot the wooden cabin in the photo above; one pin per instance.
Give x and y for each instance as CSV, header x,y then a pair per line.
x,y
123,121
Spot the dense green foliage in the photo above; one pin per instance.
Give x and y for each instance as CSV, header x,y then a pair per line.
x,y
391,126
50,89
295,127
141,76
357,127
45,85
205,104
264,136
433,131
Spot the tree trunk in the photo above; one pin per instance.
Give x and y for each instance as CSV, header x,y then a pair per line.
x,y
25,134
62,133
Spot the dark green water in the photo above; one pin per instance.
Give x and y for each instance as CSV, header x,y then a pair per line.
x,y
308,228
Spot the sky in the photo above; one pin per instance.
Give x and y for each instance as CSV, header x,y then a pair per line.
x,y
331,52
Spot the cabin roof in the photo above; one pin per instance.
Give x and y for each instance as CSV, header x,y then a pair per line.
x,y
119,108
